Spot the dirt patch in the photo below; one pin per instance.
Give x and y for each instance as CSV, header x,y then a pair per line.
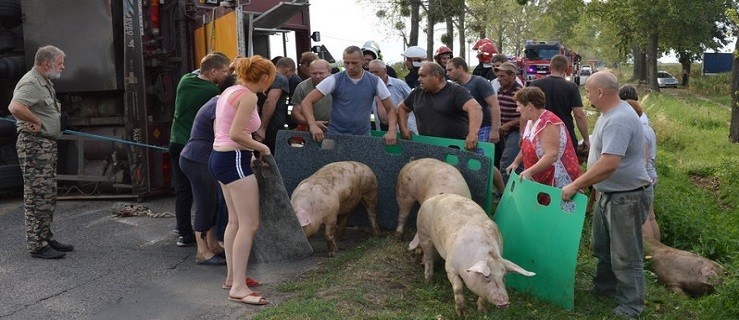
x,y
708,183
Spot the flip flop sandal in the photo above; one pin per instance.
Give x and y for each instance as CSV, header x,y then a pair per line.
x,y
252,298
249,283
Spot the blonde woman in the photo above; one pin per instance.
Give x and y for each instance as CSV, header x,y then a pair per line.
x,y
237,118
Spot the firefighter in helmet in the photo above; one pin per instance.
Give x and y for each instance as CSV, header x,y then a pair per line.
x,y
413,57
371,51
485,51
443,55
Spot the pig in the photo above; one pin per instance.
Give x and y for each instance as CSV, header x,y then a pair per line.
x,y
422,179
458,229
682,271
331,194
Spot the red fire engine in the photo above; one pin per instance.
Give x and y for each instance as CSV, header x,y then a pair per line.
x,y
534,63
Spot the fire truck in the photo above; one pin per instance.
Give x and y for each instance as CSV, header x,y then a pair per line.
x,y
534,63
124,59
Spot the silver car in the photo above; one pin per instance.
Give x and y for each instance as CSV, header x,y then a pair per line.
x,y
666,80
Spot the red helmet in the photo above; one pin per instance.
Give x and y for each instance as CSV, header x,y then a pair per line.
x,y
481,42
442,50
485,52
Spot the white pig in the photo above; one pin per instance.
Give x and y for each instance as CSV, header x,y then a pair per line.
x,y
330,194
682,271
469,242
422,179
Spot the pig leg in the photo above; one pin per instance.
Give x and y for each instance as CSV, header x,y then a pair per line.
x,y
369,200
341,226
458,286
330,229
675,287
405,203
482,304
429,253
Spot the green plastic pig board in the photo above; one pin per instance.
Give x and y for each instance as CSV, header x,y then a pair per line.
x,y
487,148
298,157
541,238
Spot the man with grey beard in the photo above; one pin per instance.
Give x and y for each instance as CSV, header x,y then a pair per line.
x,y
38,112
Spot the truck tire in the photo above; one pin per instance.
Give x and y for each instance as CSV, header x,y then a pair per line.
x,y
11,178
10,13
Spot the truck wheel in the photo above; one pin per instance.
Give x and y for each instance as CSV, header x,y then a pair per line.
x,y
10,13
11,178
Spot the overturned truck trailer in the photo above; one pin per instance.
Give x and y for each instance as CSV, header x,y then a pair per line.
x,y
124,60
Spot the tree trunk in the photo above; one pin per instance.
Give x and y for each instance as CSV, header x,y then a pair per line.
x,y
638,62
415,21
431,19
450,32
652,52
641,52
734,127
685,62
462,37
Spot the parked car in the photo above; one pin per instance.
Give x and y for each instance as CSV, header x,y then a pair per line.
x,y
583,75
666,80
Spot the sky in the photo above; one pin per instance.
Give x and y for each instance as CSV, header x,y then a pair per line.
x,y
348,22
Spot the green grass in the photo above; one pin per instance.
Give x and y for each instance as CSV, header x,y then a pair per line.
x,y
696,203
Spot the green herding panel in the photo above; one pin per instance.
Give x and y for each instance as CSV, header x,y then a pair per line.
x,y
488,150
541,238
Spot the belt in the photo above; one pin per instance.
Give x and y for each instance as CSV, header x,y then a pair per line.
x,y
608,193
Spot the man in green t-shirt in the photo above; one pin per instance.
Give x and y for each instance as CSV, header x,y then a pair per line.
x,y
193,91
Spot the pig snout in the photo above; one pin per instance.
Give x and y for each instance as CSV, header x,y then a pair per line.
x,y
503,305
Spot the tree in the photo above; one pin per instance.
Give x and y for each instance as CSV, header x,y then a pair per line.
x,y
733,15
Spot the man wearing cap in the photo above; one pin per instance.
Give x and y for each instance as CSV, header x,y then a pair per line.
x,y
507,149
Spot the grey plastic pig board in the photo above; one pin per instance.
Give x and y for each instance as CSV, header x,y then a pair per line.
x,y
279,237
299,162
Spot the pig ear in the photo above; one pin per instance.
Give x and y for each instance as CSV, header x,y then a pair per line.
x,y
481,267
512,267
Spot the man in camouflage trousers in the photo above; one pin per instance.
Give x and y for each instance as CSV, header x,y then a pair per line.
x,y
38,112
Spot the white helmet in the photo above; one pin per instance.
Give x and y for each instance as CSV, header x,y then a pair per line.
x,y
415,52
372,47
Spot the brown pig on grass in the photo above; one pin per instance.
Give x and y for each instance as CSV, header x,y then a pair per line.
x,y
422,179
458,229
682,271
331,194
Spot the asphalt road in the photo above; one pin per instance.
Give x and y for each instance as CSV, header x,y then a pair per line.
x,y
122,268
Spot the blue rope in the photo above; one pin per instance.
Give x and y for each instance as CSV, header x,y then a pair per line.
x,y
99,137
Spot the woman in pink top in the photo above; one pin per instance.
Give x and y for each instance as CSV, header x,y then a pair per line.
x,y
546,148
230,162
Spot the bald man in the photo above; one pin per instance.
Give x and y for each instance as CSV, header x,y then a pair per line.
x,y
318,70
616,170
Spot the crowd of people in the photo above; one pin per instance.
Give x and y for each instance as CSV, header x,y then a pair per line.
x,y
227,114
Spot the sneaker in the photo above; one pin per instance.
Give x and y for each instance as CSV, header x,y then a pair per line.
x,y
47,252
186,241
61,247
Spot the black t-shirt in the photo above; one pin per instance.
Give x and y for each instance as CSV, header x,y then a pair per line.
x,y
440,114
480,89
412,78
487,73
561,97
